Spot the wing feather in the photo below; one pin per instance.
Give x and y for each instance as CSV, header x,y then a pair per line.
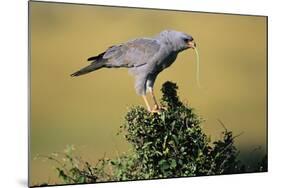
x,y
131,54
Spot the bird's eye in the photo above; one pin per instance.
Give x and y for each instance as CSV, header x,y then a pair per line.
x,y
185,40
188,39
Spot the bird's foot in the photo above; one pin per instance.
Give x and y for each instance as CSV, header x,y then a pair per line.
x,y
161,108
157,109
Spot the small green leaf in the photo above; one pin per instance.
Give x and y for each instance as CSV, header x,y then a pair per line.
x,y
175,139
173,164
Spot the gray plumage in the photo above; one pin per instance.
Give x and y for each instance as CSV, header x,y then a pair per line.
x,y
144,57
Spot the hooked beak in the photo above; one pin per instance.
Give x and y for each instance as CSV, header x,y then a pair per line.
x,y
191,44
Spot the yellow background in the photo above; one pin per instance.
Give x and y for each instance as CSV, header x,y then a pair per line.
x,y
87,111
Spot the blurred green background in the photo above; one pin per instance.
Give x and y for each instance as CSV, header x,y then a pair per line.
x,y
87,111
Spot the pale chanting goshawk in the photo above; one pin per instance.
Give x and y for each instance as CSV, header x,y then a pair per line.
x,y
144,57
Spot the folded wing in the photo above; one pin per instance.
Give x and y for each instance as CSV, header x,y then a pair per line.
x,y
134,53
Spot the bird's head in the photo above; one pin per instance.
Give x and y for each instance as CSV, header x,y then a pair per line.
x,y
178,41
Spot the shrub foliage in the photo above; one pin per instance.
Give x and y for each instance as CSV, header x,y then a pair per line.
x,y
166,144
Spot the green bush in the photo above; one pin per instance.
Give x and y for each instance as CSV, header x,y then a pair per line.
x,y
172,143
169,144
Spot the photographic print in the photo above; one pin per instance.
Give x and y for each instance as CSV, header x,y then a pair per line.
x,y
124,94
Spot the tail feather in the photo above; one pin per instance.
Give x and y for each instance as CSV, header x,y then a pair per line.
x,y
96,58
92,67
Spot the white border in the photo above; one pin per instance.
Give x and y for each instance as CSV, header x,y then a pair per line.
x,y
13,93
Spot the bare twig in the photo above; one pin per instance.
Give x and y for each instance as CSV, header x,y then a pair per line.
x,y
222,124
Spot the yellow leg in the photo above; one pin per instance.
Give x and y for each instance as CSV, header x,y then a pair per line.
x,y
156,106
146,103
